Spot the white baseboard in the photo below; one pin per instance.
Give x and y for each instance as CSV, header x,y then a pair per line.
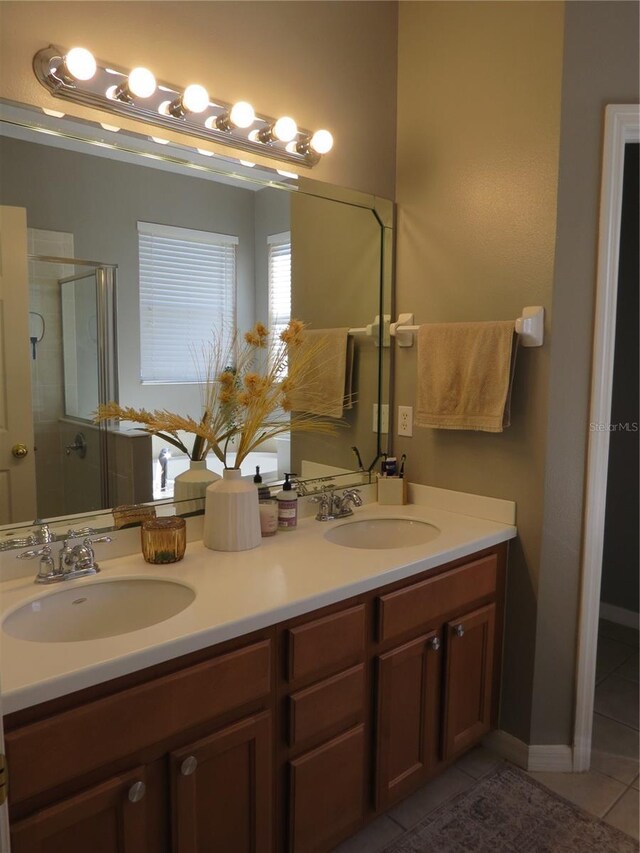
x,y
620,615
556,758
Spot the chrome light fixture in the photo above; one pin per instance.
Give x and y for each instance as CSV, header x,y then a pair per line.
x,y
75,75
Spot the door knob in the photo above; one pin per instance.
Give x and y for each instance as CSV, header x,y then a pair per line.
x,y
189,765
459,630
20,450
435,643
137,792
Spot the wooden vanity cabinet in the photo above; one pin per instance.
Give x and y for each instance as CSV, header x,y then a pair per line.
x,y
107,818
284,741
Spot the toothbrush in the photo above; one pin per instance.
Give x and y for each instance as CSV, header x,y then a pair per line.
x,y
403,459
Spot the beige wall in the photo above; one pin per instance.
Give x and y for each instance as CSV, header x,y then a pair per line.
x,y
478,135
307,59
600,67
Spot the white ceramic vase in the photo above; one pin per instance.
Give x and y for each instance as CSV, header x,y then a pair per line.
x,y
191,485
231,514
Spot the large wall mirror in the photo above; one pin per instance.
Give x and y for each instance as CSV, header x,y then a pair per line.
x,y
97,201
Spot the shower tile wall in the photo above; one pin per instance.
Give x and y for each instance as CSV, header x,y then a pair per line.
x,y
47,383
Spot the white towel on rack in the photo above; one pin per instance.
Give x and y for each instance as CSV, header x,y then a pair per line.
x,y
464,375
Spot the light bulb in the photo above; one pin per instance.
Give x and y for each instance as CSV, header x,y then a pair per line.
x,y
242,114
141,83
322,141
195,98
285,129
80,63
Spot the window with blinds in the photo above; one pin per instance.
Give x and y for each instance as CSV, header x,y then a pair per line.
x,y
187,291
279,246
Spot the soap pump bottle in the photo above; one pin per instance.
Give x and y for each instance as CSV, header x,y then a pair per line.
x,y
264,493
287,505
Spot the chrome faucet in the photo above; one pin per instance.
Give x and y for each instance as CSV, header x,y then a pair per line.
x,y
332,506
73,561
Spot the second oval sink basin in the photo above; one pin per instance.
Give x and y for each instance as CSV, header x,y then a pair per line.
x,y
97,610
376,533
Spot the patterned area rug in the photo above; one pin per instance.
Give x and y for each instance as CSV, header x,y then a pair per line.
x,y
508,812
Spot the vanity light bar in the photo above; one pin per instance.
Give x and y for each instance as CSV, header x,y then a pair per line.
x,y
75,75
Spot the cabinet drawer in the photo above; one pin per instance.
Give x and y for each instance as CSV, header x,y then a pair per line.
x,y
327,707
415,606
326,644
67,745
327,793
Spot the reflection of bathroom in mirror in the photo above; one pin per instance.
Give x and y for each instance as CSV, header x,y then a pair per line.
x,y
99,205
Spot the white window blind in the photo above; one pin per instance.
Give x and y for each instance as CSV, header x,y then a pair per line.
x,y
279,246
187,290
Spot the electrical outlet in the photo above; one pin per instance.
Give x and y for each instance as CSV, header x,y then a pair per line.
x,y
384,425
405,420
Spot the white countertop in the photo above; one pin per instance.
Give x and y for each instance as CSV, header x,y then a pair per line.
x,y
236,593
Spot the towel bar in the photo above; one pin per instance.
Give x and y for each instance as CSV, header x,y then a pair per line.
x,y
372,330
530,327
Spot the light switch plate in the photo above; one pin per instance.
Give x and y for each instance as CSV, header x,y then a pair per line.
x,y
385,418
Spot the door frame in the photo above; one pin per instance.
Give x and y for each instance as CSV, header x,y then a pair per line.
x,y
622,126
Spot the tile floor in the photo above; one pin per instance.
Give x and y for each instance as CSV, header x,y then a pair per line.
x,y
609,790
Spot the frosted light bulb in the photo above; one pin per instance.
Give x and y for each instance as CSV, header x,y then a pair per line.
x,y
242,114
285,129
195,98
322,141
141,83
80,63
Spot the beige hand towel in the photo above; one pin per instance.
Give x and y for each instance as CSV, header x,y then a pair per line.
x,y
328,383
465,372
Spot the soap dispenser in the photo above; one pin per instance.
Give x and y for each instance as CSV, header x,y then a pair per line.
x,y
264,493
287,505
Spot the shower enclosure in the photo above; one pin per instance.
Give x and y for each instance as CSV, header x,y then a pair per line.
x,y
73,350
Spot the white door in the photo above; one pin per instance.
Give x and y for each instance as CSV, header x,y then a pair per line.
x,y
17,471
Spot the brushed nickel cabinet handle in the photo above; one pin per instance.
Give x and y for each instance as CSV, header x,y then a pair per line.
x,y
459,630
435,643
137,792
189,765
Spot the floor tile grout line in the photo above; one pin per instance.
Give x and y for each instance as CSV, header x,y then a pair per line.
x,y
615,720
615,802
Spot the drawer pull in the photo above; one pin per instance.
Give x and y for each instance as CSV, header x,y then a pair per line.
x,y
189,765
459,629
137,792
435,643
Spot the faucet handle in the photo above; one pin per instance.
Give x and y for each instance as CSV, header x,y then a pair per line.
x,y
31,555
82,531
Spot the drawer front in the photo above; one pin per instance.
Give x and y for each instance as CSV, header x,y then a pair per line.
x,y
327,707
75,742
415,606
327,793
327,644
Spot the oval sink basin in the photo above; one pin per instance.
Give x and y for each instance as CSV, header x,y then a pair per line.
x,y
376,533
97,610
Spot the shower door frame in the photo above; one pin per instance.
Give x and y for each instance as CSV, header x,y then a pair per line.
x,y
106,279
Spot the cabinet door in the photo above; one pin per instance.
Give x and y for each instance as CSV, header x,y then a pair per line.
x,y
109,818
408,702
221,790
327,793
469,677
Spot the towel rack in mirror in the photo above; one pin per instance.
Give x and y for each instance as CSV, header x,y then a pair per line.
x,y
530,328
372,330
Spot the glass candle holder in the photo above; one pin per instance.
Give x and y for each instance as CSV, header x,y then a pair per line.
x,y
164,540
268,517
